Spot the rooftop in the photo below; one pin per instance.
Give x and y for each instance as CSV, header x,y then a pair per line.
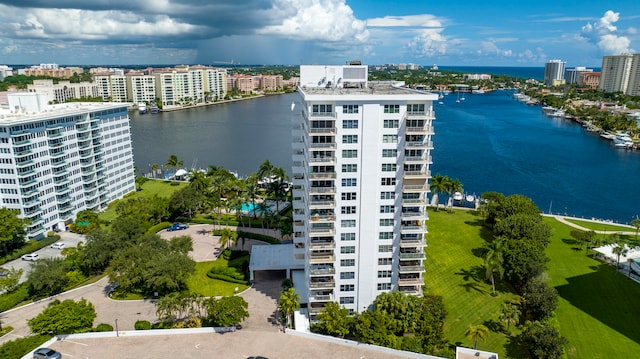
x,y
9,117
373,88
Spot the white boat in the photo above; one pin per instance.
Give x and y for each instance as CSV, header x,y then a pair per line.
x,y
477,91
142,108
557,113
623,140
457,196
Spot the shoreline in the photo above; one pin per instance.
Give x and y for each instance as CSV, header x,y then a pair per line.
x,y
207,104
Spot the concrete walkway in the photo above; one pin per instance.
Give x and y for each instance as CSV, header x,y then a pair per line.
x,y
563,220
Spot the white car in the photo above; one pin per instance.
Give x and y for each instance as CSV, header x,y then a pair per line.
x,y
30,257
57,245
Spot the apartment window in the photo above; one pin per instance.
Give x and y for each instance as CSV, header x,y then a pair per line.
x,y
386,222
385,248
415,107
389,153
348,249
349,182
389,167
349,196
346,223
385,235
347,275
322,109
349,167
384,274
391,108
349,138
387,195
347,300
349,153
384,261
348,237
347,287
350,124
348,210
389,138
348,262
384,286
350,109
387,209
391,123
388,181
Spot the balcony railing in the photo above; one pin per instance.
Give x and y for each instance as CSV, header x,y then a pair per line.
x,y
322,285
322,159
324,258
322,145
410,281
322,175
320,298
412,243
423,173
319,245
410,268
418,255
320,190
322,271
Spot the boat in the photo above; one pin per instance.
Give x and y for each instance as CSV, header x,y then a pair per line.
x,y
557,113
623,140
142,108
440,103
154,108
457,196
477,91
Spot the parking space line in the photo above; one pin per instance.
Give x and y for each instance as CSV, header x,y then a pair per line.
x,y
71,341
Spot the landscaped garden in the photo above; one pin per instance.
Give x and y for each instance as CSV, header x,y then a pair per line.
x,y
596,305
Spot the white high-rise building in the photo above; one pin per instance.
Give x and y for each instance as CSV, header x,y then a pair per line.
x,y
361,164
554,73
633,89
615,73
572,75
58,160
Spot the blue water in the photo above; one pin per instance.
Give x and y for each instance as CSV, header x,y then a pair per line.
x,y
491,142
250,207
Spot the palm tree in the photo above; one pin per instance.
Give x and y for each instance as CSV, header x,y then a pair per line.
x,y
198,180
287,305
252,190
174,162
266,170
509,312
278,187
619,250
438,186
452,186
475,332
228,237
154,169
636,223
493,261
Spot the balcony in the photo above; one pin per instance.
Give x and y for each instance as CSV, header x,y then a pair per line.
x,y
410,281
31,211
28,182
33,201
24,163
423,174
418,143
54,134
322,218
322,175
56,153
30,191
412,256
321,204
25,151
421,201
419,115
408,216
321,245
322,190
426,129
320,298
322,284
412,243
323,270
327,130
415,290
322,146
322,160
26,173
21,141
322,115
321,231
409,229
82,128
321,258
414,268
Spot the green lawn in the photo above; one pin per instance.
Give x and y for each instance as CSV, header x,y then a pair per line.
x,y
201,284
597,226
455,273
149,189
597,307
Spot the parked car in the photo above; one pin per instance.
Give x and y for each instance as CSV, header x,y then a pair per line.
x,y
177,227
32,257
57,245
46,353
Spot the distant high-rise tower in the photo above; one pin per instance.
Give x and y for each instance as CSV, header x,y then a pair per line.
x,y
361,164
633,89
615,73
554,73
572,75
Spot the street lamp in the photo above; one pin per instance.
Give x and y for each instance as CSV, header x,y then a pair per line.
x,y
117,332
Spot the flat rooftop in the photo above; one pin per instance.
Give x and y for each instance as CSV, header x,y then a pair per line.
x,y
56,111
372,88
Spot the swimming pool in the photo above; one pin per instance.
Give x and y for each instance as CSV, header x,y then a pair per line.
x,y
250,207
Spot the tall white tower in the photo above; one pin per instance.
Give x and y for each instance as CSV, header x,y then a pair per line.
x,y
554,73
361,158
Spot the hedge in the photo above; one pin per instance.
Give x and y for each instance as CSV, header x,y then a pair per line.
x,y
258,236
18,348
158,227
28,247
226,278
142,325
104,327
227,271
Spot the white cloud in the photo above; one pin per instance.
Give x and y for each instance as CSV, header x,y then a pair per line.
x,y
429,42
423,20
604,34
327,20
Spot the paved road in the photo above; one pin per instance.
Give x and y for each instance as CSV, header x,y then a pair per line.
x,y
68,238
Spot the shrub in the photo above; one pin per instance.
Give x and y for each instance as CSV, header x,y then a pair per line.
x,y
258,236
17,348
227,271
158,227
142,325
104,327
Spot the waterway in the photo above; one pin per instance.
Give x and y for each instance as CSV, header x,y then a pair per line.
x,y
489,142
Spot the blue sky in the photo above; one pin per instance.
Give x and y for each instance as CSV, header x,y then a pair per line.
x,y
291,32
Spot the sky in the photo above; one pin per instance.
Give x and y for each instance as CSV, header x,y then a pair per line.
x,y
293,32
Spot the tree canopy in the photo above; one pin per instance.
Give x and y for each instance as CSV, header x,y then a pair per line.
x,y
64,317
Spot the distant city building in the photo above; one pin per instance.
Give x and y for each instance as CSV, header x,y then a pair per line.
x,y
51,70
615,74
361,165
476,77
589,79
571,75
57,160
140,88
554,73
633,89
5,71
64,90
